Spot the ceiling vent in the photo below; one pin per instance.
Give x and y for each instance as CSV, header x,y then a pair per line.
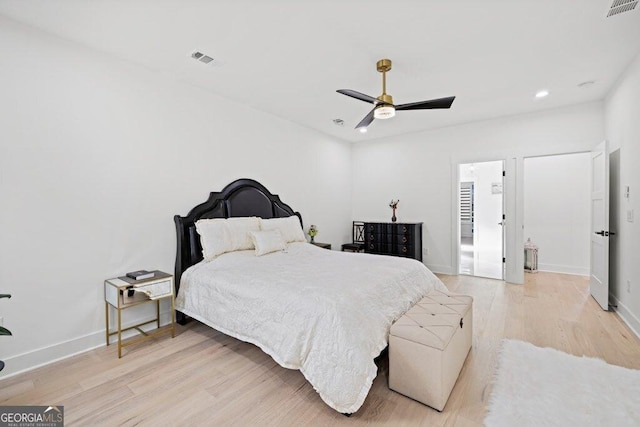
x,y
621,6
201,57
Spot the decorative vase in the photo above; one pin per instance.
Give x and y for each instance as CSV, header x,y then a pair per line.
x,y
393,218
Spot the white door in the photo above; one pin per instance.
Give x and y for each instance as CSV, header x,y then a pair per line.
x,y
599,282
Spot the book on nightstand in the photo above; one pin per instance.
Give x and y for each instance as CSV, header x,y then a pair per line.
x,y
140,274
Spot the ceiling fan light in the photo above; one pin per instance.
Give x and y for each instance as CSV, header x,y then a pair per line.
x,y
384,111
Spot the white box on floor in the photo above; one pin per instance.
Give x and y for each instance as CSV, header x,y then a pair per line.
x,y
428,346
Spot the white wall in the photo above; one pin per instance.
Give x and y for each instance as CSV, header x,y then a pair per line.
x,y
97,155
621,113
420,170
557,211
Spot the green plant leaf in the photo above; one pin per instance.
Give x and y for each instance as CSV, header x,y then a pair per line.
x,y
4,331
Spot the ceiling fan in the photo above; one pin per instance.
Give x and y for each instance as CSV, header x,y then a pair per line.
x,y
384,107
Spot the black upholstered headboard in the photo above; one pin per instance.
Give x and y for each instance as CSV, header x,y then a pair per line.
x,y
244,197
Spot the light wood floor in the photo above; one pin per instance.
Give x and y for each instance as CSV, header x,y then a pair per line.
x,y
202,377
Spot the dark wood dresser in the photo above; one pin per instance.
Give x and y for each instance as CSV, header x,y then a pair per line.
x,y
393,238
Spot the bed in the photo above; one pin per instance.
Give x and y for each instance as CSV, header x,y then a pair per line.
x,y
326,313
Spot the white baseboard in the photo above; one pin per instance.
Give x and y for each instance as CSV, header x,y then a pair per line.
x,y
566,269
43,356
626,315
442,269
33,359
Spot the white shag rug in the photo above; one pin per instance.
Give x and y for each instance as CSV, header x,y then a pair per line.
x,y
536,386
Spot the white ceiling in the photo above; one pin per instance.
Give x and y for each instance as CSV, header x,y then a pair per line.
x,y
288,58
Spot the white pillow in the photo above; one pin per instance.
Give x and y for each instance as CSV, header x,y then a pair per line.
x,y
289,227
267,241
215,237
240,229
220,235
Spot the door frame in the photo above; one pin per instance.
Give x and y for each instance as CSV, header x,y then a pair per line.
x,y
599,286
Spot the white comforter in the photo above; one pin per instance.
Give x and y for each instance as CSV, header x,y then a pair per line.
x,y
324,312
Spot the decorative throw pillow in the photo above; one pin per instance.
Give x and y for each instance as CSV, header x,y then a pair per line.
x,y
289,227
220,235
215,237
239,228
267,241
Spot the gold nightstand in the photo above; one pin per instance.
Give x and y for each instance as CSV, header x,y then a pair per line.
x,y
116,295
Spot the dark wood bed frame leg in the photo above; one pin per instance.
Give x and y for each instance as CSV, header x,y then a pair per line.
x,y
181,318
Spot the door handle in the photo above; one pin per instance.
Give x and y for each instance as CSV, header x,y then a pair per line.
x,y
601,232
501,223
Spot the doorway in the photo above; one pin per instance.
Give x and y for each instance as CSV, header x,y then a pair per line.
x,y
481,219
556,211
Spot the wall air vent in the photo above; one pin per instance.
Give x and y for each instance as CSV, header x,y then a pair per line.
x,y
199,56
621,6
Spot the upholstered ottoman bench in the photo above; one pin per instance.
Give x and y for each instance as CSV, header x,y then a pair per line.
x,y
428,346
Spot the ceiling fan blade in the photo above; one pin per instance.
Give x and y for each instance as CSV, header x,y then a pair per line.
x,y
427,105
366,121
358,95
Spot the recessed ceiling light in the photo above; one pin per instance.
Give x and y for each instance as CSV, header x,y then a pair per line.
x,y
363,130
542,93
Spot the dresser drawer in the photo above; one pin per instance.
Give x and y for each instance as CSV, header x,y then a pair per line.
x,y
404,228
379,248
373,248
380,228
404,239
372,227
381,238
155,290
404,250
